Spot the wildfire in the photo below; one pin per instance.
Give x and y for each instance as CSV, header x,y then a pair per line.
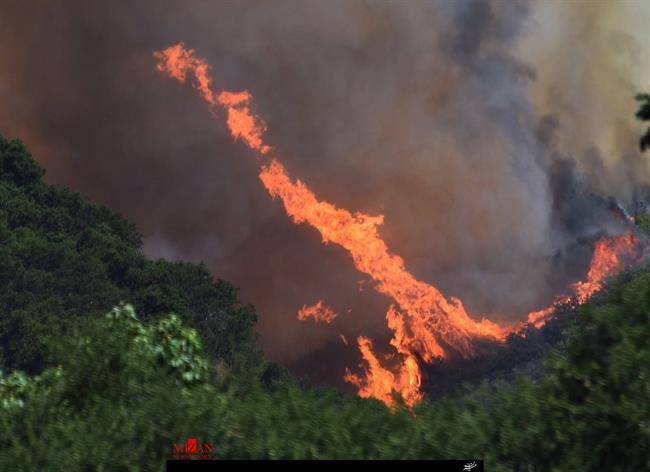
x,y
429,315
176,61
610,254
426,324
319,311
607,260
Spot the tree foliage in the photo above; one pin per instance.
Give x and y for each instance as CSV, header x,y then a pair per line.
x,y
62,258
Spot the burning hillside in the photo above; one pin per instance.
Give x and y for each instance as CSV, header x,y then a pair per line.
x,y
426,324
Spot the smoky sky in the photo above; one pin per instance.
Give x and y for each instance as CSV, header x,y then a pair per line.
x,y
421,111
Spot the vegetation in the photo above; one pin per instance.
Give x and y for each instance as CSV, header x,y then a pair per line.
x,y
86,390
63,258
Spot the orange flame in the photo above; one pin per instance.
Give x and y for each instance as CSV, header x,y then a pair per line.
x,y
319,311
425,323
380,383
540,317
608,259
430,316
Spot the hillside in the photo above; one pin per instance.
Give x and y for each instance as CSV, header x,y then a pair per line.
x,y
94,360
63,258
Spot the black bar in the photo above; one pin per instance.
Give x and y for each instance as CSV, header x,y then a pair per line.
x,y
469,465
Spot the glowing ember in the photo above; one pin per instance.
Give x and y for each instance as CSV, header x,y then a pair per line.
x,y
319,311
423,320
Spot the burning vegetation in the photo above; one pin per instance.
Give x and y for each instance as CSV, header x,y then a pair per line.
x,y
426,324
610,256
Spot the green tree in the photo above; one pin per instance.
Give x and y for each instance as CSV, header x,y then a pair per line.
x,y
63,257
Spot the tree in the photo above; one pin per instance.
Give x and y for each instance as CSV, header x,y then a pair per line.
x,y
122,392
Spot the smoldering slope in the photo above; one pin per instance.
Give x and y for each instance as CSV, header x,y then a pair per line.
x,y
491,134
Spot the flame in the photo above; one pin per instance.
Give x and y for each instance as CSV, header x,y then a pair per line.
x,y
540,317
426,324
608,259
176,61
319,311
430,316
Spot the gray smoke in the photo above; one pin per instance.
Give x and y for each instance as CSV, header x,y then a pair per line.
x,y
432,113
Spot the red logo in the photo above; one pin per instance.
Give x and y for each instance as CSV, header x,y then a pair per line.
x,y
192,449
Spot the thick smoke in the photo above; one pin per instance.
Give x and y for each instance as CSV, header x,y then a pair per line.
x,y
491,135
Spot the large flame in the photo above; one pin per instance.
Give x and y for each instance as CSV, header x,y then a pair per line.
x,y
608,259
426,324
176,61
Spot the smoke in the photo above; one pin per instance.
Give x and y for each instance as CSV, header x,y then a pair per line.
x,y
589,90
491,135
